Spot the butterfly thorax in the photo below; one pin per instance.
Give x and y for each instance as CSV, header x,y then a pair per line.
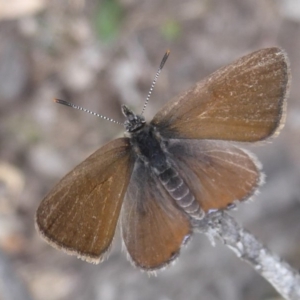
x,y
149,147
147,144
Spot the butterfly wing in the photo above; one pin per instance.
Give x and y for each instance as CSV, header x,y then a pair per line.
x,y
244,101
153,228
217,172
80,214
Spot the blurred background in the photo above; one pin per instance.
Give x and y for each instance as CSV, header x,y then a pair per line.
x,y
100,54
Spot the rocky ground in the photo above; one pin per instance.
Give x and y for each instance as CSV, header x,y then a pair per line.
x,y
100,54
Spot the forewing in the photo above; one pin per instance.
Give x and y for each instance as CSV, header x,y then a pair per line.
x,y
218,173
80,214
153,228
244,101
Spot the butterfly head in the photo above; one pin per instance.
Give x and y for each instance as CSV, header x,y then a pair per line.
x,y
133,122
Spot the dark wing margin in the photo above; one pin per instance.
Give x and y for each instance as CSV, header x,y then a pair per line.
x,y
218,173
244,101
153,228
80,214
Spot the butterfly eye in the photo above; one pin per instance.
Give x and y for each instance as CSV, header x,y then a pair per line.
x,y
134,122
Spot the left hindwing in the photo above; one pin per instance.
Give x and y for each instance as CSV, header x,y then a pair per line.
x,y
153,227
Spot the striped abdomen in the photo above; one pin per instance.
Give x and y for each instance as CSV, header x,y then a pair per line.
x,y
150,148
180,192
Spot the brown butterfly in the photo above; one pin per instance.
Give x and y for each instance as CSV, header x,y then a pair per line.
x,y
176,168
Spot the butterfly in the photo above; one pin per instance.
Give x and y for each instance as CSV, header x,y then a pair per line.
x,y
179,167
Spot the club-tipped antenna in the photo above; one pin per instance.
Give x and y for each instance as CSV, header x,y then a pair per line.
x,y
66,103
163,61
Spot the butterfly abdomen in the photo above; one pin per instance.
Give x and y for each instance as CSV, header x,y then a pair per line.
x,y
179,191
149,147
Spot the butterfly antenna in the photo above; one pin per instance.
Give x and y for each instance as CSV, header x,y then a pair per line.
x,y
66,103
155,78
